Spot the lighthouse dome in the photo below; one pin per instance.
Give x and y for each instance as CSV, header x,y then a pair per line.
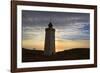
x,y
50,25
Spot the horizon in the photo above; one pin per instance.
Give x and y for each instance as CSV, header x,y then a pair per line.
x,y
55,51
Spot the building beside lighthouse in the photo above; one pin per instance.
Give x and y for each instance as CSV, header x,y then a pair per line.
x,y
49,46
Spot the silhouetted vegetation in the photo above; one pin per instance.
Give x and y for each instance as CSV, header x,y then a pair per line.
x,y
38,55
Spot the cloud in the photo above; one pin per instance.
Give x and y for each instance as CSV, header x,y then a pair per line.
x,y
68,25
42,18
30,33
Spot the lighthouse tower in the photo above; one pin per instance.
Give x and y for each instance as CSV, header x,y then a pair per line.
x,y
49,47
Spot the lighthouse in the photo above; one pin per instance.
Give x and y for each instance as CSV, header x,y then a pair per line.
x,y
49,46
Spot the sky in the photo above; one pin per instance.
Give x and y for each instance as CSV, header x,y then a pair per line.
x,y
72,29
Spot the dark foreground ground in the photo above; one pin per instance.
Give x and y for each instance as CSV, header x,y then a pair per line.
x,y
37,55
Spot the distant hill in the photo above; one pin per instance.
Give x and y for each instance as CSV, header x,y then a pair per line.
x,y
38,55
